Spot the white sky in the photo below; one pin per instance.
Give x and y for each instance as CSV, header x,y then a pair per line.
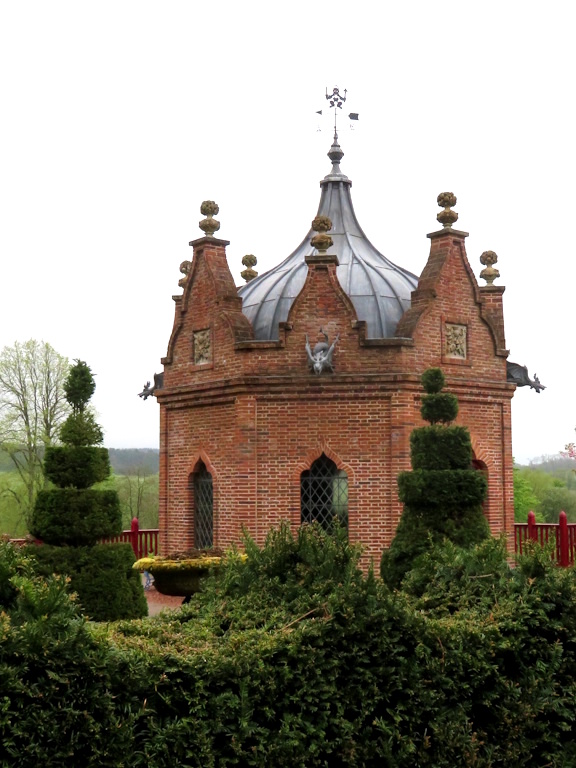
x,y
119,118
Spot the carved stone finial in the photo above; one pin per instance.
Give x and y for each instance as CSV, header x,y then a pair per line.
x,y
321,241
185,268
489,274
447,217
209,225
249,261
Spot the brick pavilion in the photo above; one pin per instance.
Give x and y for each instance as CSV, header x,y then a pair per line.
x,y
293,396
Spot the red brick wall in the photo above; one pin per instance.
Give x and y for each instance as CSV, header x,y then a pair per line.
x,y
257,417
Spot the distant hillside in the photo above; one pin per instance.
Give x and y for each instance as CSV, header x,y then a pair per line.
x,y
131,461
124,461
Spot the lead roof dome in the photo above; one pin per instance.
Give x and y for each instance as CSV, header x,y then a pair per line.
x,y
379,290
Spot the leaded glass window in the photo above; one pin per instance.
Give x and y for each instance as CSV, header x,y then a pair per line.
x,y
324,494
203,509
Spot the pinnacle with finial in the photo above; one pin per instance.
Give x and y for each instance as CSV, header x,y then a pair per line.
x,y
489,273
321,241
249,261
447,217
209,225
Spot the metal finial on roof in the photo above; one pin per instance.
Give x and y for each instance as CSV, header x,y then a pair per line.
x,y
447,217
489,273
335,154
209,225
321,241
249,261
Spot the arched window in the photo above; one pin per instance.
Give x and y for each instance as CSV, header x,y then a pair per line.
x,y
203,508
324,494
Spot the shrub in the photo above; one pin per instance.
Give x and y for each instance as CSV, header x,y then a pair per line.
x,y
73,517
102,575
442,496
76,467
76,517
63,698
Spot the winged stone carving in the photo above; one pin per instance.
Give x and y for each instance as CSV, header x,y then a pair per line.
x,y
320,358
148,390
518,374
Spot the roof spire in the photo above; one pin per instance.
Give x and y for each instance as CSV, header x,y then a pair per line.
x,y
335,156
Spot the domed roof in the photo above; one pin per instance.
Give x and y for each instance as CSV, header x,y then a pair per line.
x,y
379,290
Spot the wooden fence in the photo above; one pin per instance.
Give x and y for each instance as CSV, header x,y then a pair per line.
x,y
144,540
563,534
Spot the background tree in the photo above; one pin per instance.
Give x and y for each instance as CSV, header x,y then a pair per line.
x,y
71,518
525,498
442,495
32,409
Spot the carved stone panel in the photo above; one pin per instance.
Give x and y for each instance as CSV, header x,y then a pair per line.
x,y
202,342
456,341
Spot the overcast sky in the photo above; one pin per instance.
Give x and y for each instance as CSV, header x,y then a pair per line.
x,y
119,118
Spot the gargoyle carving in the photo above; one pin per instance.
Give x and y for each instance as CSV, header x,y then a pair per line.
x,y
320,359
148,390
518,374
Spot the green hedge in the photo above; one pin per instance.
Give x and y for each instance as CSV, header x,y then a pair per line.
x,y
76,467
442,489
439,407
63,702
75,517
297,659
437,447
108,588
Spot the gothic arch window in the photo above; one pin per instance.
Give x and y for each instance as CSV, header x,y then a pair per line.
x,y
203,502
480,466
324,494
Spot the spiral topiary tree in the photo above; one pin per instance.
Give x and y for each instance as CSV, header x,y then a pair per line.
x,y
72,517
443,494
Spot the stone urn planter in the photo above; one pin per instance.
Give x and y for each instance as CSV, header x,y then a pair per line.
x,y
181,574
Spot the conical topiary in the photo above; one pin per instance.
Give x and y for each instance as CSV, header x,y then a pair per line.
x,y
71,518
443,494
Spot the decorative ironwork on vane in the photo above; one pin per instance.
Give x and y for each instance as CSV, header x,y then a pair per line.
x,y
335,98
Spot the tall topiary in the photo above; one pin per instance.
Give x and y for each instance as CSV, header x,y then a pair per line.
x,y
71,518
443,494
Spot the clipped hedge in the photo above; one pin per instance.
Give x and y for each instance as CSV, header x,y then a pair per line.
x,y
76,517
443,494
63,701
436,447
297,659
76,467
442,490
102,576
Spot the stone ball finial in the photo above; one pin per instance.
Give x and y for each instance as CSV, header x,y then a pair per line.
x,y
209,225
249,261
321,241
447,217
185,268
489,258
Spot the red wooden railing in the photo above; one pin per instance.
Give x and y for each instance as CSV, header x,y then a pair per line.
x,y
563,534
144,541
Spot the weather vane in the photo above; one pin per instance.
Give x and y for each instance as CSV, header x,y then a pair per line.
x,y
336,99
